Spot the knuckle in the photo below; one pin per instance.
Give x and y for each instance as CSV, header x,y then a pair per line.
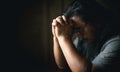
x,y
59,16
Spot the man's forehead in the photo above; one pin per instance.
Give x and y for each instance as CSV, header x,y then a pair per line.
x,y
77,20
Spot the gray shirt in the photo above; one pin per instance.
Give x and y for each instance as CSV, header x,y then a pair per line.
x,y
107,59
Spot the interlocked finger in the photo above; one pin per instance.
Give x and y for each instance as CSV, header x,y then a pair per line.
x,y
65,19
60,20
54,22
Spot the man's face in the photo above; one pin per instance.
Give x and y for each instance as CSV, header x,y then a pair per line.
x,y
86,31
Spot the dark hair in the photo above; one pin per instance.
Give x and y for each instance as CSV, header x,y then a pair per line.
x,y
103,19
87,10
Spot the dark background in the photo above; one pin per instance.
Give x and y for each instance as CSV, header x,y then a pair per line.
x,y
26,37
26,40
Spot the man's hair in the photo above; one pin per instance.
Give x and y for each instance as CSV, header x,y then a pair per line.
x,y
88,11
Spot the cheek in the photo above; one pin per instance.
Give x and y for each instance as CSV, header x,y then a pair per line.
x,y
88,32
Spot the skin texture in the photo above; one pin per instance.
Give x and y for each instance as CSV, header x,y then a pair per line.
x,y
64,50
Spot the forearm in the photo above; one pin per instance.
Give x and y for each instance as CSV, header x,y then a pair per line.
x,y
58,55
76,62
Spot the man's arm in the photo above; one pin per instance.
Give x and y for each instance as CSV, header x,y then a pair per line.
x,y
76,62
58,55
64,32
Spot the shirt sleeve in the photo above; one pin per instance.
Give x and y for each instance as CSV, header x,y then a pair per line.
x,y
108,60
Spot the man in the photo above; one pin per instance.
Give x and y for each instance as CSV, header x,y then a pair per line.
x,y
98,40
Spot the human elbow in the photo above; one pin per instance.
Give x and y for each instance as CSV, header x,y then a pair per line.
x,y
80,68
61,66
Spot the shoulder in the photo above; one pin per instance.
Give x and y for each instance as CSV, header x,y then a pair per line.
x,y
109,58
115,38
114,41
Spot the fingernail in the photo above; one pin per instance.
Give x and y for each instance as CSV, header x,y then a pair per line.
x,y
65,18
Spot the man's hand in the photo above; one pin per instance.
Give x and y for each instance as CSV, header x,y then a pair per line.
x,y
62,27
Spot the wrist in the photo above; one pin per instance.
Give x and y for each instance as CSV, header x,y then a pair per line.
x,y
54,37
64,38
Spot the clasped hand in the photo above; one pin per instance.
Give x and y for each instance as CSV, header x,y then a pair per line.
x,y
62,27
